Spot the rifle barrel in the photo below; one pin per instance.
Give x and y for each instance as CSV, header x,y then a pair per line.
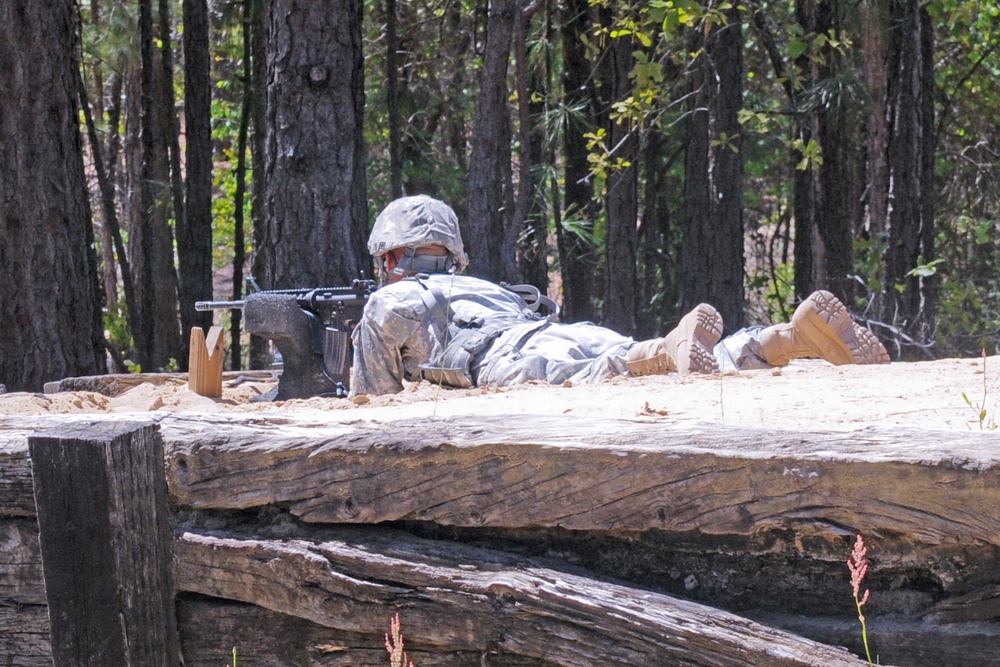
x,y
218,305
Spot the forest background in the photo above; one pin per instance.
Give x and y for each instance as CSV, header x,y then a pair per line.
x,y
633,158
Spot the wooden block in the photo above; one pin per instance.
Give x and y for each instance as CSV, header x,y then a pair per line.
x,y
205,362
106,544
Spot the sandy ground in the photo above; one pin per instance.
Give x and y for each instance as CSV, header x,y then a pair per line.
x,y
806,395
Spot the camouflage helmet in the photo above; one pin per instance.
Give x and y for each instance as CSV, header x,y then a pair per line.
x,y
417,222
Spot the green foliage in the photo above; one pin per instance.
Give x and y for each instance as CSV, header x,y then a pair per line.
x,y
924,269
986,421
116,329
439,61
811,152
225,126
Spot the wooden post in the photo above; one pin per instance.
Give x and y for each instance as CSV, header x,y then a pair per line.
x,y
205,362
101,500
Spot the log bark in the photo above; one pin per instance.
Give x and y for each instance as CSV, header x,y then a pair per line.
x,y
24,636
593,474
474,601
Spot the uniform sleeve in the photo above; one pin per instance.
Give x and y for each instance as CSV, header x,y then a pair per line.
x,y
388,344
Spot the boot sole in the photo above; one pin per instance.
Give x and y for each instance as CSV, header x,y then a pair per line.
x,y
871,350
703,329
829,327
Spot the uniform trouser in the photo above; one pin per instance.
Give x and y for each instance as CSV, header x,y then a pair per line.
x,y
585,352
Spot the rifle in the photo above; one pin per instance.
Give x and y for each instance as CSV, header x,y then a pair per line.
x,y
312,330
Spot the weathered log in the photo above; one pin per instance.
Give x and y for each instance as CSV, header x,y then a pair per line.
x,y
24,636
900,639
586,474
212,628
583,474
21,580
743,515
118,383
105,539
16,495
474,601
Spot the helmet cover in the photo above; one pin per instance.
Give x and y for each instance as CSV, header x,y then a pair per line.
x,y
417,222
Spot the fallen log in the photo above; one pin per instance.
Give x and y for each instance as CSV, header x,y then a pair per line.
x,y
467,600
211,626
919,487
735,518
116,384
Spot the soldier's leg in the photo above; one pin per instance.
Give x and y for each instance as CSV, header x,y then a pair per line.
x,y
686,349
821,328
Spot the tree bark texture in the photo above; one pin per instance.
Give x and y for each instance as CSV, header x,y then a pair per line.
x,y
622,199
194,246
151,240
259,19
50,300
836,208
531,216
874,38
910,215
315,224
487,229
168,126
712,245
577,257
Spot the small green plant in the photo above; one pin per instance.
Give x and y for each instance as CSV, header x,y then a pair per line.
x,y
986,422
234,657
858,565
394,645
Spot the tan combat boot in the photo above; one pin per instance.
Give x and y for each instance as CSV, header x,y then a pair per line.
x,y
686,349
821,328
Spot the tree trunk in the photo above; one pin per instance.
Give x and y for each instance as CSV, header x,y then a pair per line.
x,y
874,30
533,86
194,248
151,242
577,258
239,197
835,216
112,242
805,185
259,21
315,222
50,300
910,216
657,289
490,201
622,199
712,251
804,181
392,100
804,205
